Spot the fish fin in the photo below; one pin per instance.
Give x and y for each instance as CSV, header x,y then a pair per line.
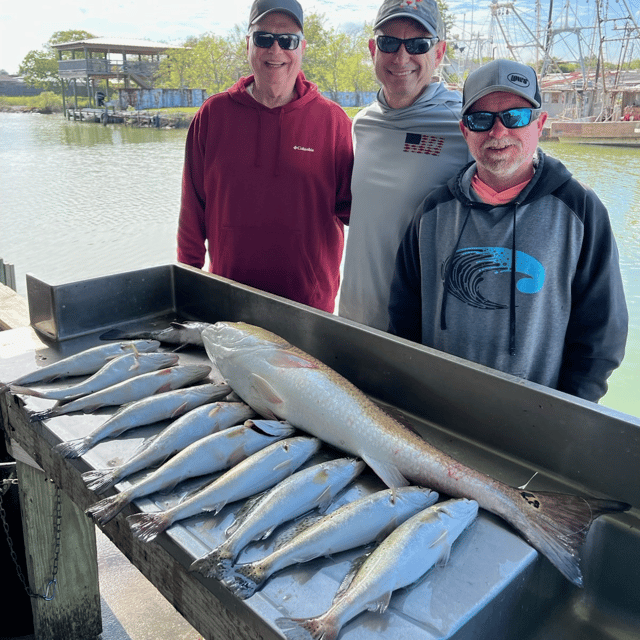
x,y
43,415
325,500
243,513
107,509
74,448
25,391
556,524
287,360
99,480
243,580
388,473
291,532
179,410
445,548
307,628
380,604
264,389
214,563
356,565
268,427
147,526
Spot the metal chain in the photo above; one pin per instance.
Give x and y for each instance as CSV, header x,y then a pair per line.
x,y
50,590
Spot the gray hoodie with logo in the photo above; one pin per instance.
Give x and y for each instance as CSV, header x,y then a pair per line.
x,y
532,288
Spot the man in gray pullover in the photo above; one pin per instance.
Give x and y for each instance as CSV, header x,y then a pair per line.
x,y
406,143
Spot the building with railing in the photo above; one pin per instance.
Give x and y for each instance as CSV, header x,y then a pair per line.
x,y
91,61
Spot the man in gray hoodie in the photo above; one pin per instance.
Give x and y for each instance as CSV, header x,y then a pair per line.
x,y
406,143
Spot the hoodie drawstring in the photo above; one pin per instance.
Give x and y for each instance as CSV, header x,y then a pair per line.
x,y
447,277
512,301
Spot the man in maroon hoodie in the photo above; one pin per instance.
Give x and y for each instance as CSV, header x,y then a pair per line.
x,y
266,182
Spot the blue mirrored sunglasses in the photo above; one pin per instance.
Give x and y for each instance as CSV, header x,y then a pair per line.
x,y
414,46
265,40
511,118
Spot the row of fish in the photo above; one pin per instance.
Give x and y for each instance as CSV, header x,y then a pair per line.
x,y
260,456
289,388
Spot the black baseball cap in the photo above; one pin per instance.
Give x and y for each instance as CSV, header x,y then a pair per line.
x,y
261,8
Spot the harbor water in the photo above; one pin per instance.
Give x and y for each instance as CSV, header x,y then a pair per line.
x,y
81,200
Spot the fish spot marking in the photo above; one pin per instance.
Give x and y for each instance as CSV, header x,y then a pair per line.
x,y
321,477
530,499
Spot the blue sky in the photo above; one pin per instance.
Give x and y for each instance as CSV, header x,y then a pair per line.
x,y
25,26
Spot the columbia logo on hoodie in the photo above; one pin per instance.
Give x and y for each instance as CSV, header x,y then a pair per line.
x,y
423,143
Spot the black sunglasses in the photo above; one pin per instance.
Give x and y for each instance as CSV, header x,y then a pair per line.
x,y
511,118
265,40
414,46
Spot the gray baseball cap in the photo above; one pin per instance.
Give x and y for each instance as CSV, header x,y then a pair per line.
x,y
260,8
425,12
501,75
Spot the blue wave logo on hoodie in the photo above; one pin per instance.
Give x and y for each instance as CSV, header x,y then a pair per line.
x,y
470,267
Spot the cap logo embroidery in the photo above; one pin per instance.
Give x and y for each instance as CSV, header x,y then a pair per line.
x,y
411,4
517,79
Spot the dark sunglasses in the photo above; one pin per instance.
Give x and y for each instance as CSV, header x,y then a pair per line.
x,y
414,46
511,118
265,40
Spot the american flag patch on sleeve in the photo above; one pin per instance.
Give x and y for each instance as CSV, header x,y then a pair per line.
x,y
423,143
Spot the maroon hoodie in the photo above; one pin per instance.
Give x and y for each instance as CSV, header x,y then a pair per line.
x,y
268,190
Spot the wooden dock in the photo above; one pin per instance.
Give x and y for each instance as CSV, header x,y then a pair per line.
x,y
152,119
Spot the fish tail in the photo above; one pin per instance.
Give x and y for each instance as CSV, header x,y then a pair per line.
x,y
243,580
43,415
146,526
25,391
105,510
73,448
214,564
557,525
99,480
308,628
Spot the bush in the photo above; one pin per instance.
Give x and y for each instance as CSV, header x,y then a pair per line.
x,y
47,102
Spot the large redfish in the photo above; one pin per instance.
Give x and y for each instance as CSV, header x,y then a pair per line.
x,y
280,381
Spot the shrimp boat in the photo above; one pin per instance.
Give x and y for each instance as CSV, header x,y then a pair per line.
x,y
584,51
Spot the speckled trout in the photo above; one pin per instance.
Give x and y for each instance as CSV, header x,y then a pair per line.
x,y
401,560
281,381
206,455
249,477
137,388
117,370
311,488
187,429
84,363
354,524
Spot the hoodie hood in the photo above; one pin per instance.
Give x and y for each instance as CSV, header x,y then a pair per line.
x,y
435,99
307,93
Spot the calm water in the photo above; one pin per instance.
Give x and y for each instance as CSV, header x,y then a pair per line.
x,y
80,200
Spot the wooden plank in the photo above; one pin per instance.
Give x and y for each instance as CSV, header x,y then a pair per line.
x,y
14,311
74,610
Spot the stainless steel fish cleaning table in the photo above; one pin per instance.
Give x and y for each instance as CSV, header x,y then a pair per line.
x,y
494,586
